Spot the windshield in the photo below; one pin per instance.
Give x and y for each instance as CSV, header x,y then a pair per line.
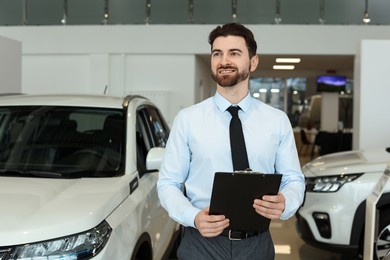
x,y
68,142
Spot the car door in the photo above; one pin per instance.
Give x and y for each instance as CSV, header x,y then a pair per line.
x,y
152,131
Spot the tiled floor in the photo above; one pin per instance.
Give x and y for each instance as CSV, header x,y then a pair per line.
x,y
289,246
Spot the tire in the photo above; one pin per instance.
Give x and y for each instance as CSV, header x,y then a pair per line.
x,y
382,242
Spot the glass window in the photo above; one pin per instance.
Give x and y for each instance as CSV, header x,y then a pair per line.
x,y
151,131
159,128
155,126
287,94
68,142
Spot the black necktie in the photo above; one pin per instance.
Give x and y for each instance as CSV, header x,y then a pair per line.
x,y
237,142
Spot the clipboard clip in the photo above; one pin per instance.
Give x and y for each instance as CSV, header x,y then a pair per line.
x,y
247,170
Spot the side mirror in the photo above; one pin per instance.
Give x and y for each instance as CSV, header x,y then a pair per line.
x,y
154,158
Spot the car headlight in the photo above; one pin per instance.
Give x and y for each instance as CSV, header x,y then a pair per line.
x,y
79,246
329,183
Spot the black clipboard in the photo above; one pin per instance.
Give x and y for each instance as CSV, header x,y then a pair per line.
x,y
233,194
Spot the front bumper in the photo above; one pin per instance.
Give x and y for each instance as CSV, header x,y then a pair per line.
x,y
306,234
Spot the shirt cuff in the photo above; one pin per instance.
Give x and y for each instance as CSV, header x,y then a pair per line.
x,y
189,217
292,204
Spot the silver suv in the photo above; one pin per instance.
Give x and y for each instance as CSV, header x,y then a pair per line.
x,y
78,178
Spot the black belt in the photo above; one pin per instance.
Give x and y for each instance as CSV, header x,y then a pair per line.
x,y
238,235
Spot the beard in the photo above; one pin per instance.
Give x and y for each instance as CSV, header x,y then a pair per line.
x,y
230,80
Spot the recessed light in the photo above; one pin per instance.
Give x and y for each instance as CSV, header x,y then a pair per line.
x,y
283,67
288,60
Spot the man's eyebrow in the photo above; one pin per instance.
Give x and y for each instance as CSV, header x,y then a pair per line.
x,y
239,50
230,50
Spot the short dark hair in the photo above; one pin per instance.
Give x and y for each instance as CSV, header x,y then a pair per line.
x,y
235,29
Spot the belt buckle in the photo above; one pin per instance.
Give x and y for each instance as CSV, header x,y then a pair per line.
x,y
234,239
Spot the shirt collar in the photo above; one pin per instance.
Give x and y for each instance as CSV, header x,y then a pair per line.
x,y
223,104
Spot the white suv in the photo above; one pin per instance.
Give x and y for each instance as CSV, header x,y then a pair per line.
x,y
337,186
78,178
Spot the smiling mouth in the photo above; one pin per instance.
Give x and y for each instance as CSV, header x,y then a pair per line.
x,y
226,71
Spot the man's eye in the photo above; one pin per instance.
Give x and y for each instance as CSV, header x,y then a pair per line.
x,y
215,54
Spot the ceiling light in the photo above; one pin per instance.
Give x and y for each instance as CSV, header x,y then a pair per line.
x,y
278,18
288,60
366,18
191,11
234,11
65,15
322,12
283,67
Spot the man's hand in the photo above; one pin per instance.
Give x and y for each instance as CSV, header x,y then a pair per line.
x,y
270,206
210,225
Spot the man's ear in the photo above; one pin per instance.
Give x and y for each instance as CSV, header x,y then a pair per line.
x,y
254,62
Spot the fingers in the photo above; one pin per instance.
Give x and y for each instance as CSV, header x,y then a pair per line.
x,y
274,198
270,206
210,225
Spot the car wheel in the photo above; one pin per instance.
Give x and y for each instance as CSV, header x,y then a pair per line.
x,y
382,245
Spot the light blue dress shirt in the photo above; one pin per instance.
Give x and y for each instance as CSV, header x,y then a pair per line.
x,y
198,146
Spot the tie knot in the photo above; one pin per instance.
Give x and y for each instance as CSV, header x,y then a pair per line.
x,y
233,110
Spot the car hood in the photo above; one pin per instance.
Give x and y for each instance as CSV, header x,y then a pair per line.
x,y
36,209
374,160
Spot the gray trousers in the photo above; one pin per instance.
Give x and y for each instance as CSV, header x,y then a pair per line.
x,y
194,246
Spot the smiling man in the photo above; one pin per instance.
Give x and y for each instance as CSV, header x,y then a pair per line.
x,y
198,146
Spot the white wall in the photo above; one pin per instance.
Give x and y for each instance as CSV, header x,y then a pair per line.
x,y
372,95
204,85
10,65
153,76
161,58
189,39
168,80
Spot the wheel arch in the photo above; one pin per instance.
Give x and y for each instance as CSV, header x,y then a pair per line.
x,y
357,232
143,248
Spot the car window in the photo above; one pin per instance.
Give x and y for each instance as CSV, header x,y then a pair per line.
x,y
68,141
151,131
158,127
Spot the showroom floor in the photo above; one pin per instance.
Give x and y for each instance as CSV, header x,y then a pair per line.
x,y
288,244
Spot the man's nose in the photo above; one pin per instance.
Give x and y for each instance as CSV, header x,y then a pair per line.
x,y
226,60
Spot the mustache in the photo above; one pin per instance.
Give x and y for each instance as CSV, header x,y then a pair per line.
x,y
227,67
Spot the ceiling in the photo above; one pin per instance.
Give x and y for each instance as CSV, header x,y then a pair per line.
x,y
332,12
51,12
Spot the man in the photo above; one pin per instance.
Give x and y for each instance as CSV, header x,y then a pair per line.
x,y
199,146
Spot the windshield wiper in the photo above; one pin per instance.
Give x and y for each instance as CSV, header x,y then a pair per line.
x,y
16,172
45,174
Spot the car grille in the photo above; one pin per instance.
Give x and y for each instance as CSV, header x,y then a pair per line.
x,y
4,252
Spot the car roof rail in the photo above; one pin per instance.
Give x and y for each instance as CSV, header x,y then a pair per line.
x,y
128,98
